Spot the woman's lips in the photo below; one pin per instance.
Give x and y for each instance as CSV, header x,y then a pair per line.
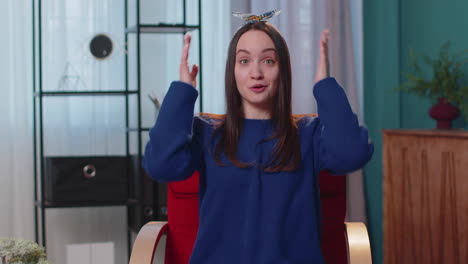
x,y
258,88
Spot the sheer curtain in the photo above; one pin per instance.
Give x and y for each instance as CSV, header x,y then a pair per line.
x,y
16,181
216,37
301,23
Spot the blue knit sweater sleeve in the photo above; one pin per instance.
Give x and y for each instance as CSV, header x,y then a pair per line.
x,y
344,146
173,151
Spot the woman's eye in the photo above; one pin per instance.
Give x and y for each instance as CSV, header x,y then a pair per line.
x,y
243,61
269,61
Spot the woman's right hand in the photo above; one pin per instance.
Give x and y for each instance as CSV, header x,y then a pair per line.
x,y
323,65
186,75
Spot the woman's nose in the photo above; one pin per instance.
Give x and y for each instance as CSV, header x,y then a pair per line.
x,y
256,72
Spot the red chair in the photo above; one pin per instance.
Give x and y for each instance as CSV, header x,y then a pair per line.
x,y
341,242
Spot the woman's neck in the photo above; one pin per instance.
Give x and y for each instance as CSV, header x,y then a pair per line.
x,y
257,111
250,113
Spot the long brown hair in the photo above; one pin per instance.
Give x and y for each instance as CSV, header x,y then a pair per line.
x,y
286,155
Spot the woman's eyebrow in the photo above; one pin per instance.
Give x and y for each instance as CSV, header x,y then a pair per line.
x,y
243,50
263,51
269,49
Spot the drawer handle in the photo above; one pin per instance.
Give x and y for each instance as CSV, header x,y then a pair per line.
x,y
148,211
89,171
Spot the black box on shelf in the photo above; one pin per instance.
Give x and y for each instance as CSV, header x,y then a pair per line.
x,y
87,180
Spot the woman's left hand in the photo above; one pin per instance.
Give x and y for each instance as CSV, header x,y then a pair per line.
x,y
323,65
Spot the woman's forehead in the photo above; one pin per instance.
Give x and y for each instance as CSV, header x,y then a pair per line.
x,y
255,41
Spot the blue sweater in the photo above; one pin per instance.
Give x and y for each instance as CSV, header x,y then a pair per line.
x,y
248,215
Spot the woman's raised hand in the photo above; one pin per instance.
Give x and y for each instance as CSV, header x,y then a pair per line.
x,y
323,65
186,75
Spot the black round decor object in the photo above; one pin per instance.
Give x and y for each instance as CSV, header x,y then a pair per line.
x,y
101,46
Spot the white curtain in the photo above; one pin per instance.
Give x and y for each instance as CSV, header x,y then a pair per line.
x,y
216,37
357,211
301,23
16,181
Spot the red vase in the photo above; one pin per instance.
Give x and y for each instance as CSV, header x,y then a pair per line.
x,y
444,112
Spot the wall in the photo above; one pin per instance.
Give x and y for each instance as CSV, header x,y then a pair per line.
x,y
391,28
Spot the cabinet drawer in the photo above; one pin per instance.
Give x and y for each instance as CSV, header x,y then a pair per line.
x,y
86,179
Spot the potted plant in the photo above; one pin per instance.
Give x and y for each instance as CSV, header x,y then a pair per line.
x,y
13,251
447,87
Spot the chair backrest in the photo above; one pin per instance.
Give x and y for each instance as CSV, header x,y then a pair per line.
x,y
333,198
183,218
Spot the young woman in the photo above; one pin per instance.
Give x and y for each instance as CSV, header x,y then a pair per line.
x,y
258,164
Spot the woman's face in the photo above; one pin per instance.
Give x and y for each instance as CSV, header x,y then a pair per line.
x,y
256,71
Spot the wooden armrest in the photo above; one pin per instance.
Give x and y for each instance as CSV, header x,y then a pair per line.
x,y
358,244
146,242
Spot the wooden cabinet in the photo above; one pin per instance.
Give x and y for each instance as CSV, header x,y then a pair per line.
x,y
425,196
